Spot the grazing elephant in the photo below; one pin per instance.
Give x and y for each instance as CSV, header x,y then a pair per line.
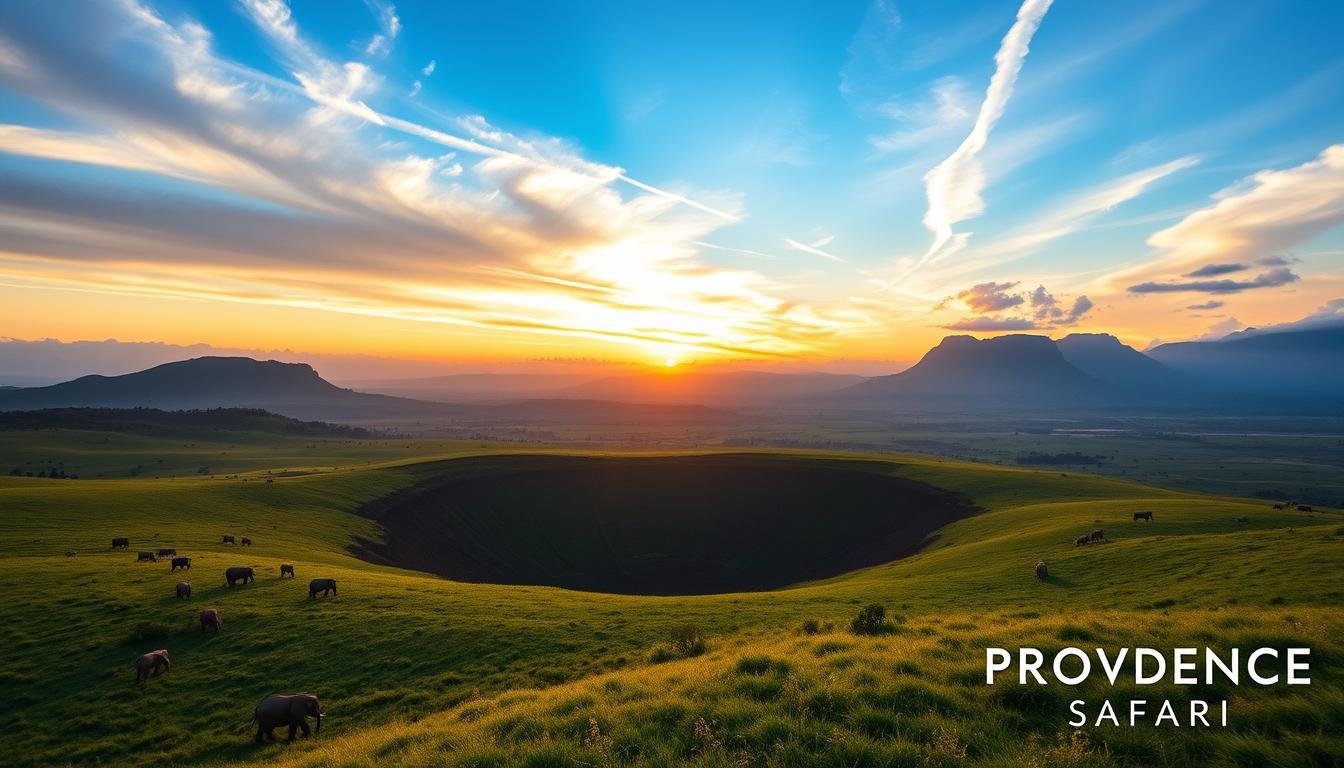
x,y
153,662
1144,516
227,539
246,542
286,568
1041,572
286,709
1303,507
146,557
69,553
1081,540
238,573
1098,535
121,542
1278,506
181,562
324,586
166,552
184,589
210,620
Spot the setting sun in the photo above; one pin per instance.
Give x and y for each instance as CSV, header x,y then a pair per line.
x,y
670,362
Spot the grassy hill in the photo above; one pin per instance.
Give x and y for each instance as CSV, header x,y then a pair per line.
x,y
416,669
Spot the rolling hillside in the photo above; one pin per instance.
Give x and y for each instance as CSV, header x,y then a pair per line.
x,y
419,670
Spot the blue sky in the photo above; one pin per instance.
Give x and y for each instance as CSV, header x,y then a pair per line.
x,y
729,179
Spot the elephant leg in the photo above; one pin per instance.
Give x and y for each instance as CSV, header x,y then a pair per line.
x,y
292,727
303,726
261,733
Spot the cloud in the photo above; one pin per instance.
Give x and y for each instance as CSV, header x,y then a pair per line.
x,y
1328,315
390,25
814,249
946,109
1214,270
1206,305
289,192
1221,328
1270,212
429,68
990,297
992,324
953,187
1272,279
415,88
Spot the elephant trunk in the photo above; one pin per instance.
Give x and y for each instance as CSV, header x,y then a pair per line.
x,y
318,729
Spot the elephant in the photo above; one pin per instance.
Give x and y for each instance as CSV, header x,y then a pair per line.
x,y
286,568
153,662
146,557
167,552
227,539
1042,573
69,553
210,620
1081,540
246,542
181,562
286,709
238,573
324,586
184,589
121,542
1097,535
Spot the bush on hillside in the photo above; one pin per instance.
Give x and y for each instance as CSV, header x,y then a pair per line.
x,y
872,620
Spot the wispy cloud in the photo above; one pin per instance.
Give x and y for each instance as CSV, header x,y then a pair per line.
x,y
954,186
528,237
1270,279
429,68
1268,213
946,109
813,248
389,25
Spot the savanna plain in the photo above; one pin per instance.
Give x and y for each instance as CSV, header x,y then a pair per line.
x,y
442,668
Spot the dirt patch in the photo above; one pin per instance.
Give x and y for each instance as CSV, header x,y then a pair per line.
x,y
679,525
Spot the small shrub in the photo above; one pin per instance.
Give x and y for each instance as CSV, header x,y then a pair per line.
x,y
811,627
1070,632
871,621
687,641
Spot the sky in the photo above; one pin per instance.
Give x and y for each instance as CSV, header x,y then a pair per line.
x,y
780,183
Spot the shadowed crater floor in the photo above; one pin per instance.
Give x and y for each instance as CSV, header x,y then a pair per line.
x,y
679,525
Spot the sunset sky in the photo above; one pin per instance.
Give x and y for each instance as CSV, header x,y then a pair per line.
x,y
790,183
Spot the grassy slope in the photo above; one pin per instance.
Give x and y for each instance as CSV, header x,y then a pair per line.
x,y
398,645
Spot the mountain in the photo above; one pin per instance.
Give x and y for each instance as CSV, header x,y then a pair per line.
x,y
291,389
1288,363
1105,358
728,388
1007,370
297,391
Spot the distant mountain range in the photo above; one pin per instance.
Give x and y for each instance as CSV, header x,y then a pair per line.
x,y
1292,370
297,391
1301,362
1297,369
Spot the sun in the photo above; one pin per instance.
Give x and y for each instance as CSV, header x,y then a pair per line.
x,y
670,362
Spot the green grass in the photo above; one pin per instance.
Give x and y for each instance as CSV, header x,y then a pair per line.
x,y
420,670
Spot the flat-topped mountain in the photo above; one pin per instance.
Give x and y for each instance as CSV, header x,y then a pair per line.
x,y
1018,368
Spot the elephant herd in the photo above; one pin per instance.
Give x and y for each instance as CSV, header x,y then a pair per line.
x,y
274,711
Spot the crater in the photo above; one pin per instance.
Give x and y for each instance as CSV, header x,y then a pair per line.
x,y
675,525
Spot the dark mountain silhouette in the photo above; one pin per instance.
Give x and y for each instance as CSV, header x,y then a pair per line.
x,y
297,391
1006,370
1293,362
1104,358
291,389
